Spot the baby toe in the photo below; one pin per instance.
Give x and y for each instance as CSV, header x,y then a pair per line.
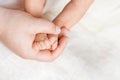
x,y
40,37
54,46
53,38
36,46
47,44
43,46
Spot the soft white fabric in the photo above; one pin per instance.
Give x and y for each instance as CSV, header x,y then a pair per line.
x,y
93,51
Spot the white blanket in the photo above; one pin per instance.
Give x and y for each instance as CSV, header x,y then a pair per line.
x,y
93,51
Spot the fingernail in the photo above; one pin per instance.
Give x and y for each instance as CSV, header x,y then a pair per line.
x,y
58,30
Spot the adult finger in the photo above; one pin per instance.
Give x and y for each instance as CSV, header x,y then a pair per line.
x,y
43,26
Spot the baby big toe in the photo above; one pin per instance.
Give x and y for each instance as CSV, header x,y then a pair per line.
x,y
54,45
52,38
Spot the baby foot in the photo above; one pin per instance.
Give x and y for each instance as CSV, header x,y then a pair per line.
x,y
49,41
44,41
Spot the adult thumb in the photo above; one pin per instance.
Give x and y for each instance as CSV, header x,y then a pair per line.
x,y
45,26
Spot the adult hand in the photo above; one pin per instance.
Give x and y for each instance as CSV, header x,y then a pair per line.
x,y
18,31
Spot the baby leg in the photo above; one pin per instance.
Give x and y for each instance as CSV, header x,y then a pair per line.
x,y
72,13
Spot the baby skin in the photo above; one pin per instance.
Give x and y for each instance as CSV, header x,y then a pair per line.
x,y
68,17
